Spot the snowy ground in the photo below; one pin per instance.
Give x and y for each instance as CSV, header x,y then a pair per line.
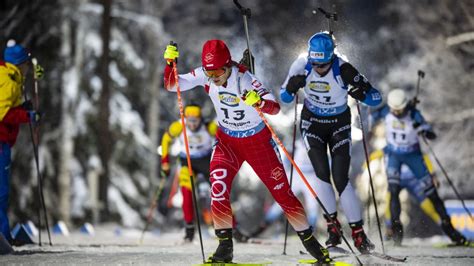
x,y
112,247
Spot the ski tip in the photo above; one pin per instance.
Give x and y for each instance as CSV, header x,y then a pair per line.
x,y
386,257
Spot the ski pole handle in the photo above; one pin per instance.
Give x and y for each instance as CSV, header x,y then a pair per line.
x,y
246,15
244,11
328,15
421,75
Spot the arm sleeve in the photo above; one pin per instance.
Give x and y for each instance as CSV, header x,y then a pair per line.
x,y
373,97
351,76
16,115
173,131
296,68
269,104
6,88
285,96
420,121
185,81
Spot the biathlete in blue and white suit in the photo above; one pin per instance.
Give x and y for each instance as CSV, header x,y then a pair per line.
x,y
326,122
403,123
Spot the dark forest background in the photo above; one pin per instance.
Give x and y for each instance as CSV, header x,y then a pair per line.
x,y
105,108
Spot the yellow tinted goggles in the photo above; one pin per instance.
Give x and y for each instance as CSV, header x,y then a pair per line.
x,y
214,73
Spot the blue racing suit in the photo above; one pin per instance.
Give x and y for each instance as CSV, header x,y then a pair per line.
x,y
403,148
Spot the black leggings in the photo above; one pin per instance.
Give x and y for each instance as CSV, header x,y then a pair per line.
x,y
321,132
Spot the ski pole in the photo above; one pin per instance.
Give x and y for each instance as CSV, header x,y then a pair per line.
x,y
305,181
329,16
39,179
246,13
154,201
188,157
421,75
291,167
35,142
447,177
370,175
34,61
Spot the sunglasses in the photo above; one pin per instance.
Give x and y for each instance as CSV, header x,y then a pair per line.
x,y
316,65
214,73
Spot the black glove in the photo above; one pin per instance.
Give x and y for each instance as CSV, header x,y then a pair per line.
x,y
357,93
428,134
246,60
27,105
295,83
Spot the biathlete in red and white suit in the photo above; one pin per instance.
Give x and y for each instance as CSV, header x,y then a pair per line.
x,y
242,136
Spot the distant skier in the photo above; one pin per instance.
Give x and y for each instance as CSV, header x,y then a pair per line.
x,y
403,123
326,122
12,113
200,137
242,136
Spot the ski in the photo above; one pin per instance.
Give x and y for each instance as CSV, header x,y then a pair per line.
x,y
234,264
315,262
262,241
386,257
339,250
454,245
332,256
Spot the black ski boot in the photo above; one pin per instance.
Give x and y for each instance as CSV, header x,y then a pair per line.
x,y
189,233
361,241
397,232
313,247
334,230
457,238
240,237
225,250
